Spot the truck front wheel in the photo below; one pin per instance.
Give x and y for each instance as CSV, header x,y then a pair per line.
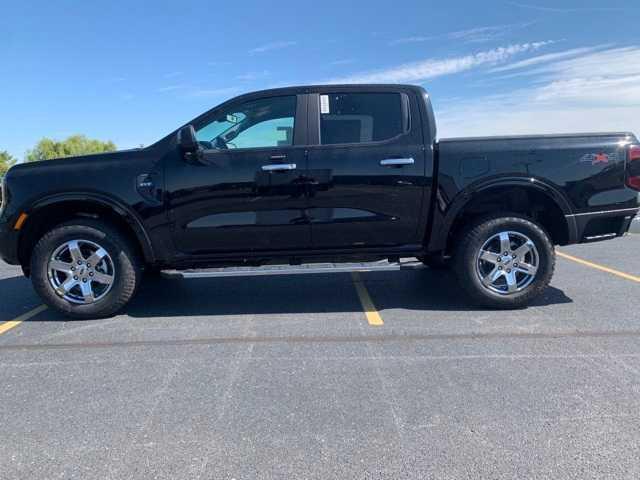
x,y
85,269
504,262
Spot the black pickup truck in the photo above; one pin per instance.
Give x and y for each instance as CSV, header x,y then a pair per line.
x,y
306,175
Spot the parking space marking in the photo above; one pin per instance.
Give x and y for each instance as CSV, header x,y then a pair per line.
x,y
373,317
8,325
602,268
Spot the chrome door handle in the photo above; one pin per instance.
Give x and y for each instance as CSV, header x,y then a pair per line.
x,y
279,167
396,162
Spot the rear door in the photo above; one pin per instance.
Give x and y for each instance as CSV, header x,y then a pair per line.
x,y
249,194
366,169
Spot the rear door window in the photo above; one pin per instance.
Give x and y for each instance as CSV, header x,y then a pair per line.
x,y
360,117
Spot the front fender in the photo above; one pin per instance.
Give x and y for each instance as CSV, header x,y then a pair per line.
x,y
105,201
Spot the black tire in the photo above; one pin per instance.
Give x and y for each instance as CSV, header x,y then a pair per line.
x,y
471,242
127,272
436,261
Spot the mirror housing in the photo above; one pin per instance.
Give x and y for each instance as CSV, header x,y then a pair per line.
x,y
188,143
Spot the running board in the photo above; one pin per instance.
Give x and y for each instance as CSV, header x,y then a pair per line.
x,y
306,269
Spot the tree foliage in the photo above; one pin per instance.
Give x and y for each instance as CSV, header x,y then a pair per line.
x,y
6,161
47,149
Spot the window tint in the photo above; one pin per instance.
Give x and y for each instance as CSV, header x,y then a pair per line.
x,y
267,122
359,117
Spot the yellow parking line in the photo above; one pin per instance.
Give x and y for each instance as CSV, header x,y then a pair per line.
x,y
373,317
618,273
6,326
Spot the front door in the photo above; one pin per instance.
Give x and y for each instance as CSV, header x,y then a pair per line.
x,y
248,194
368,169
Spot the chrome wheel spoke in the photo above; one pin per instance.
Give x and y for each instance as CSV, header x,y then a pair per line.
x,y
87,292
488,256
525,248
68,285
96,257
102,278
492,276
60,266
526,268
505,242
512,282
74,250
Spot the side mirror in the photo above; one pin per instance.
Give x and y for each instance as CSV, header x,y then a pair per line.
x,y
187,139
189,145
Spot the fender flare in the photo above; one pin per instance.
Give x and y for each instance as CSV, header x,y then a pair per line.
x,y
464,197
105,201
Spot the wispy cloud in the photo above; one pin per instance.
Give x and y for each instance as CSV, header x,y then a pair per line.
x,y
212,92
172,74
215,63
543,8
253,76
432,68
343,61
598,90
472,35
172,88
540,59
272,46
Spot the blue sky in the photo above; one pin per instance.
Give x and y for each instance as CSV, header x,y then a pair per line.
x,y
132,71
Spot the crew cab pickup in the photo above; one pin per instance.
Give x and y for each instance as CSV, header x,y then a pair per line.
x,y
350,175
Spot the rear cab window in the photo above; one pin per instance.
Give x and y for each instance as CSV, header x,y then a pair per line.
x,y
361,117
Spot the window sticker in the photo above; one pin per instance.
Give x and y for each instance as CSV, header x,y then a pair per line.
x,y
324,104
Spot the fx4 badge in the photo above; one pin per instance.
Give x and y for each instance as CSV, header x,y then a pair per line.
x,y
599,158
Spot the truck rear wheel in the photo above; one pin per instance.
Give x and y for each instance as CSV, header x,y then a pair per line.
x,y
504,262
85,269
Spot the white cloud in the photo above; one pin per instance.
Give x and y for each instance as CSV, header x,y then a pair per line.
x,y
596,91
212,92
431,68
549,57
344,61
272,46
252,76
472,35
171,88
543,8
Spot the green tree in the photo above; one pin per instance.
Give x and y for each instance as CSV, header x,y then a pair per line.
x,y
46,149
6,161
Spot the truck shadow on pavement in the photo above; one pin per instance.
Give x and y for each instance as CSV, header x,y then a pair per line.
x,y
426,290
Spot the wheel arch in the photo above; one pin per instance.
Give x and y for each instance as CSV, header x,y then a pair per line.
x,y
533,198
48,212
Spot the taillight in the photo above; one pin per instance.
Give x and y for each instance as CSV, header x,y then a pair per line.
x,y
633,167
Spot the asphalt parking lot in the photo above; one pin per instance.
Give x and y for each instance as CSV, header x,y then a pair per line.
x,y
289,377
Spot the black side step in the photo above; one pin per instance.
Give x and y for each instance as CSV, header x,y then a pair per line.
x,y
305,269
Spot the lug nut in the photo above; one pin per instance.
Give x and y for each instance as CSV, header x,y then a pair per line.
x,y
73,269
88,265
506,254
75,277
84,280
508,270
499,268
79,262
499,259
91,274
515,264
